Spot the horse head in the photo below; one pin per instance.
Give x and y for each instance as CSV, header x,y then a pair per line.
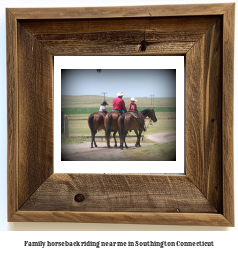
x,y
152,115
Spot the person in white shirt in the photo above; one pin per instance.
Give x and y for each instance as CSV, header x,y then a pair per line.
x,y
103,107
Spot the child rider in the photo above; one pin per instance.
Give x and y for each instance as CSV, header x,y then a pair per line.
x,y
103,107
132,105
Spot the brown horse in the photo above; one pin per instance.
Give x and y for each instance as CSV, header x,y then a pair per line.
x,y
131,121
111,125
95,123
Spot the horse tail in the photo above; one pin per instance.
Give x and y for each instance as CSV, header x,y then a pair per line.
x,y
122,118
90,121
109,123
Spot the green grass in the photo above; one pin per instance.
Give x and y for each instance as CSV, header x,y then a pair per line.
x,y
157,152
165,122
71,140
77,111
80,128
80,107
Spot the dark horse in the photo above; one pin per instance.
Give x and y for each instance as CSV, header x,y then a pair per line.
x,y
95,123
111,125
131,121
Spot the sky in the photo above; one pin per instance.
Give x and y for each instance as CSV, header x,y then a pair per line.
x,y
133,83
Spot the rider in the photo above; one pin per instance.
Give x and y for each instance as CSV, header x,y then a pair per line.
x,y
119,104
103,107
132,105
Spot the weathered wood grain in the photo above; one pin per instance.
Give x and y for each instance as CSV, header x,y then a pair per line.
x,y
204,114
177,25
34,36
76,26
71,48
35,110
12,116
227,113
119,36
190,219
121,11
119,193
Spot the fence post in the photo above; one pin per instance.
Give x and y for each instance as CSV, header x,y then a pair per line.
x,y
62,122
66,127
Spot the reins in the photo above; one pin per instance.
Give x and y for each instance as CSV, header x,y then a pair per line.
x,y
148,124
146,127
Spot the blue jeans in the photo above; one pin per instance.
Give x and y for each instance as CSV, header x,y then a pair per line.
x,y
122,111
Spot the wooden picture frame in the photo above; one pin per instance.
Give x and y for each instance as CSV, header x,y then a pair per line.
x,y
204,34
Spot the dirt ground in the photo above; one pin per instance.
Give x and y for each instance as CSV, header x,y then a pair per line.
x,y
163,137
84,152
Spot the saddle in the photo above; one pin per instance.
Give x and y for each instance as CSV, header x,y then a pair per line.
x,y
136,115
102,113
140,118
117,111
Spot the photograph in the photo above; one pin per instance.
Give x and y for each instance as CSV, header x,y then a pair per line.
x,y
118,115
145,96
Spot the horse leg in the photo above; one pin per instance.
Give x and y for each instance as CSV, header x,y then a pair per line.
x,y
122,135
114,136
121,140
94,139
125,139
93,135
92,142
137,141
107,136
108,130
140,131
91,126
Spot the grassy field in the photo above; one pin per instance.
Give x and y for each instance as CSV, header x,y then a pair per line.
x,y
94,101
78,109
165,122
156,152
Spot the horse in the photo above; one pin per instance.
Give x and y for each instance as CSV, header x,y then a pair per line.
x,y
95,123
132,121
111,125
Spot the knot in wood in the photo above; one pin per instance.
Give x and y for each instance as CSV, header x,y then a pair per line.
x,y
79,198
143,45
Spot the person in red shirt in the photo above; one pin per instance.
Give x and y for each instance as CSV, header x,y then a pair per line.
x,y
118,103
132,105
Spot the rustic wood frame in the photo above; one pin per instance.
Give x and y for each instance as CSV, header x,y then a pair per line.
x,y
204,34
